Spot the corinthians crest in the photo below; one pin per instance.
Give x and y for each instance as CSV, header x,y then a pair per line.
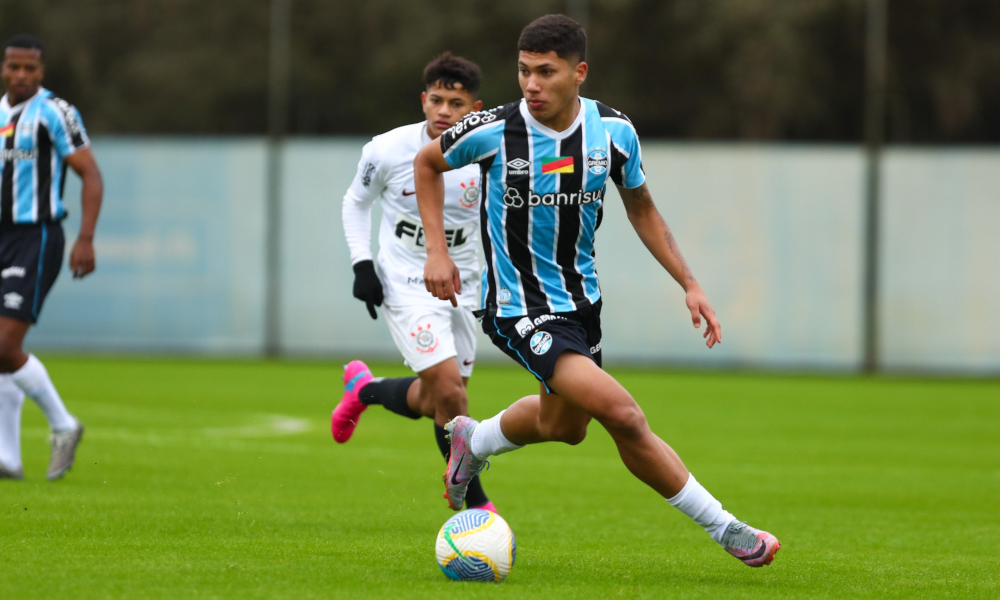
x,y
470,194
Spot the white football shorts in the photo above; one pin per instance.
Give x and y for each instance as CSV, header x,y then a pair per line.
x,y
430,335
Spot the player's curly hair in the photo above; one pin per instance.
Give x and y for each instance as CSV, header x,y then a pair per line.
x,y
554,33
447,69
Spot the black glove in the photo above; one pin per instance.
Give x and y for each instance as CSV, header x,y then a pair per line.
x,y
367,287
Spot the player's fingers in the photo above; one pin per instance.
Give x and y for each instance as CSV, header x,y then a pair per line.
x,y
371,310
696,317
456,280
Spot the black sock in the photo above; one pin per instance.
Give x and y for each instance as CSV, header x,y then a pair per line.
x,y
474,496
390,393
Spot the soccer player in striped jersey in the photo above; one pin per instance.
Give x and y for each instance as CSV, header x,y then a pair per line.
x,y
40,134
546,161
437,341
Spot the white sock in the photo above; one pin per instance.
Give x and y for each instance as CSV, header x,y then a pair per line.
x,y
488,439
695,501
11,401
34,381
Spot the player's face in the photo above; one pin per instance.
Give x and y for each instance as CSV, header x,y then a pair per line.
x,y
22,73
550,84
443,107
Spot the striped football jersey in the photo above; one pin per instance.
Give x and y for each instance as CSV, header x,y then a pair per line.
x,y
543,193
36,136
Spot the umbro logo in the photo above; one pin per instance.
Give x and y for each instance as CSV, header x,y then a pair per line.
x,y
518,166
12,272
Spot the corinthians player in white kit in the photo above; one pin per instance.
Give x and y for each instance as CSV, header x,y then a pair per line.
x,y
437,341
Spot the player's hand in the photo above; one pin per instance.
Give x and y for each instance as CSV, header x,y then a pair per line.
x,y
700,307
367,286
442,277
81,259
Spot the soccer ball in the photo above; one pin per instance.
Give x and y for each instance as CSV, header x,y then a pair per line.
x,y
476,545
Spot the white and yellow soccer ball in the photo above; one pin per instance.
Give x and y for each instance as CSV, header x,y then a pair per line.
x,y
476,545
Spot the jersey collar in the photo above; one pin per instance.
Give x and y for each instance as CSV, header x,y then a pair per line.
x,y
556,135
13,110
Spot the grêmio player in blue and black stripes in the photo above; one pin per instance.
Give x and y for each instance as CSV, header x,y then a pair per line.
x,y
546,161
40,135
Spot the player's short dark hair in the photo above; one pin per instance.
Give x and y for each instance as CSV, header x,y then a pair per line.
x,y
27,41
447,69
554,33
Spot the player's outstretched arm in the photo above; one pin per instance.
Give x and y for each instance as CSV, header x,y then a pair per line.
x,y
656,236
441,277
81,258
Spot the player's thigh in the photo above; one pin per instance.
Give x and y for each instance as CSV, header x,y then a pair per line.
x,y
422,334
579,381
463,328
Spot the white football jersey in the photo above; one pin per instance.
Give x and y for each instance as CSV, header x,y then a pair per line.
x,y
386,172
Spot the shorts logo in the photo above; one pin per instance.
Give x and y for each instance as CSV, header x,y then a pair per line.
x,y
524,326
518,166
470,194
12,272
512,198
12,300
427,342
541,342
503,297
598,161
595,349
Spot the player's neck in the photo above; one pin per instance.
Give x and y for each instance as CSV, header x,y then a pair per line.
x,y
564,119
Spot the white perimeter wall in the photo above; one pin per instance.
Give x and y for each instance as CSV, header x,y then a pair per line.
x,y
773,232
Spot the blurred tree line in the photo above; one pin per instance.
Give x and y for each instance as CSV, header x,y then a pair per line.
x,y
681,69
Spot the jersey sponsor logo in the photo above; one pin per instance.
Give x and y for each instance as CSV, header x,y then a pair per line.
x,y
503,296
12,272
518,166
598,161
12,300
557,164
512,198
472,120
425,339
595,349
412,235
18,154
524,327
527,325
366,177
70,115
470,194
541,342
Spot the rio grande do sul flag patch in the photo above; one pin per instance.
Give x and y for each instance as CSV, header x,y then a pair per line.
x,y
557,164
7,131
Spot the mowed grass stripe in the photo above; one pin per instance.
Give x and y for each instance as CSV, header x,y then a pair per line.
x,y
218,479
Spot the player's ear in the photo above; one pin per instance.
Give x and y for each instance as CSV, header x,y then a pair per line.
x,y
423,98
581,72
477,105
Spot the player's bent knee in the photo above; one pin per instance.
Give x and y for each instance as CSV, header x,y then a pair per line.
x,y
449,397
626,421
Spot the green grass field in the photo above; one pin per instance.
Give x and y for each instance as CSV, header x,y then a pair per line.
x,y
220,480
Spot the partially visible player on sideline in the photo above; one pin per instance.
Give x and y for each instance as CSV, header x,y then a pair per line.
x,y
39,135
546,162
436,340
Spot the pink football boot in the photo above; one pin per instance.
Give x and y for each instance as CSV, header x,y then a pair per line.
x,y
345,416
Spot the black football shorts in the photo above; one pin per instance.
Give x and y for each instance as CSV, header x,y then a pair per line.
x,y
31,256
537,340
